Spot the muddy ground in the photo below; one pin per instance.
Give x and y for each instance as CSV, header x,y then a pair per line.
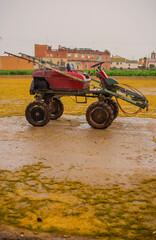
x,y
124,154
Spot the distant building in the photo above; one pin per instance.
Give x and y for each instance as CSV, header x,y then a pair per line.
x,y
13,63
118,62
146,62
82,58
152,60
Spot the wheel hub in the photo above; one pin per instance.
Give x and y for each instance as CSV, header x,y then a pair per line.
x,y
37,114
99,115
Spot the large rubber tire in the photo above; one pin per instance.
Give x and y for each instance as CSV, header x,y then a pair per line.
x,y
37,113
99,115
56,107
114,107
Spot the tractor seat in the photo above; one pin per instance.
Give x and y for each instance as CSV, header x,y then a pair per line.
x,y
70,67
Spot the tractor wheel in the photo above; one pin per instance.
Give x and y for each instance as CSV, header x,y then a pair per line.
x,y
99,115
114,107
37,113
56,107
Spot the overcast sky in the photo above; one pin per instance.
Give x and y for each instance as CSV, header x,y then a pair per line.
x,y
124,27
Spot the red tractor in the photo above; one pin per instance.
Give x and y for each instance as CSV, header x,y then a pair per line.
x,y
50,84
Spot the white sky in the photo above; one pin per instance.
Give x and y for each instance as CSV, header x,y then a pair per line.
x,y
124,27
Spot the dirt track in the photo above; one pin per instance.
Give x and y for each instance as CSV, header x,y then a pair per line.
x,y
124,153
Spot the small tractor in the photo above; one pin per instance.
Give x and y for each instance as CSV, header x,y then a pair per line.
x,y
49,84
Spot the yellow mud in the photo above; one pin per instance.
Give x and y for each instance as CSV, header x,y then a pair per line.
x,y
31,200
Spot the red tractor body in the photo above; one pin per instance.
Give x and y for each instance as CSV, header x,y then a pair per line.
x,y
57,81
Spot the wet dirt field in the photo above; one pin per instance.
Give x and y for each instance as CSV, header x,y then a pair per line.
x,y
124,154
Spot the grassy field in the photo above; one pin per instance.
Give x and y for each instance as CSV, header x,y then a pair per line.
x,y
14,97
128,73
117,72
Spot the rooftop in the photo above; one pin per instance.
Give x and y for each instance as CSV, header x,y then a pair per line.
x,y
121,59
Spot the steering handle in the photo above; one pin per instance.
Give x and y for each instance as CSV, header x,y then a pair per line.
x,y
97,64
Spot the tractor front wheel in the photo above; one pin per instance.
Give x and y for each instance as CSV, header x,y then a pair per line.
x,y
56,107
37,113
99,115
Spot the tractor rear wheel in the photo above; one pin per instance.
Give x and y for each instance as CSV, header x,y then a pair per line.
x,y
56,107
37,113
114,107
99,115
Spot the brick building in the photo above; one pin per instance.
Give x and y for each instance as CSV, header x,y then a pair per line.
x,y
13,63
82,58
